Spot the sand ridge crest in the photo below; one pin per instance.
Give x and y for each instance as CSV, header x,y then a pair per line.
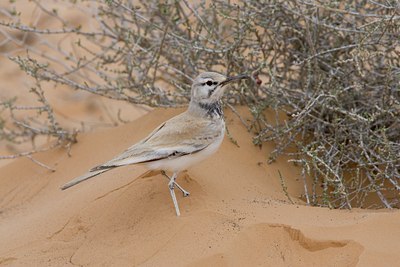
x,y
269,244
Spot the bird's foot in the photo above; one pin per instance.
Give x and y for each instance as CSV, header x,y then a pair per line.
x,y
172,185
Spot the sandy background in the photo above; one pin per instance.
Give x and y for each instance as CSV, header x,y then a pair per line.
x,y
236,215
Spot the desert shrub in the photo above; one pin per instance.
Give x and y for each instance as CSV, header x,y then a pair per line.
x,y
331,66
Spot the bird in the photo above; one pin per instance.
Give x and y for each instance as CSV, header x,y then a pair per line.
x,y
181,141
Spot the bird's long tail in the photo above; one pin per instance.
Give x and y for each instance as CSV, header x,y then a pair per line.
x,y
84,177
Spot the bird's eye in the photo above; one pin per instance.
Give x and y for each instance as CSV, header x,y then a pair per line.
x,y
209,83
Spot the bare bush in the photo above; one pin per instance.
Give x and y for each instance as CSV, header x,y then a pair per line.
x,y
332,66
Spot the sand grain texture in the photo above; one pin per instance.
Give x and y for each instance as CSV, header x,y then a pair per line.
x,y
237,214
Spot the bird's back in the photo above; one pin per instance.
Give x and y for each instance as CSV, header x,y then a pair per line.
x,y
183,134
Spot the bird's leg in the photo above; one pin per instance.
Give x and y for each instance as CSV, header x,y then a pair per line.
x,y
185,193
171,186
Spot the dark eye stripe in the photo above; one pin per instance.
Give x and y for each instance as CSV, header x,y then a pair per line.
x,y
209,83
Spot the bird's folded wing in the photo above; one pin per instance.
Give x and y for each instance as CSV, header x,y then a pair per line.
x,y
136,156
168,141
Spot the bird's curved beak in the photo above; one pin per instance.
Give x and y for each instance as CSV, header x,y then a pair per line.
x,y
234,78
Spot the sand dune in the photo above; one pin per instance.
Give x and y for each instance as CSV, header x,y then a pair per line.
x,y
237,214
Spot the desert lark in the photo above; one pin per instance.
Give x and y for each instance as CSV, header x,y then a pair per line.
x,y
183,140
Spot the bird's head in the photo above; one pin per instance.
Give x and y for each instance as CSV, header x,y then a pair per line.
x,y
209,87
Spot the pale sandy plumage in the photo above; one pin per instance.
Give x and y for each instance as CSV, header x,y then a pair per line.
x,y
183,140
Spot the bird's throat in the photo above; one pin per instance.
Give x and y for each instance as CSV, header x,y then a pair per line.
x,y
213,109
